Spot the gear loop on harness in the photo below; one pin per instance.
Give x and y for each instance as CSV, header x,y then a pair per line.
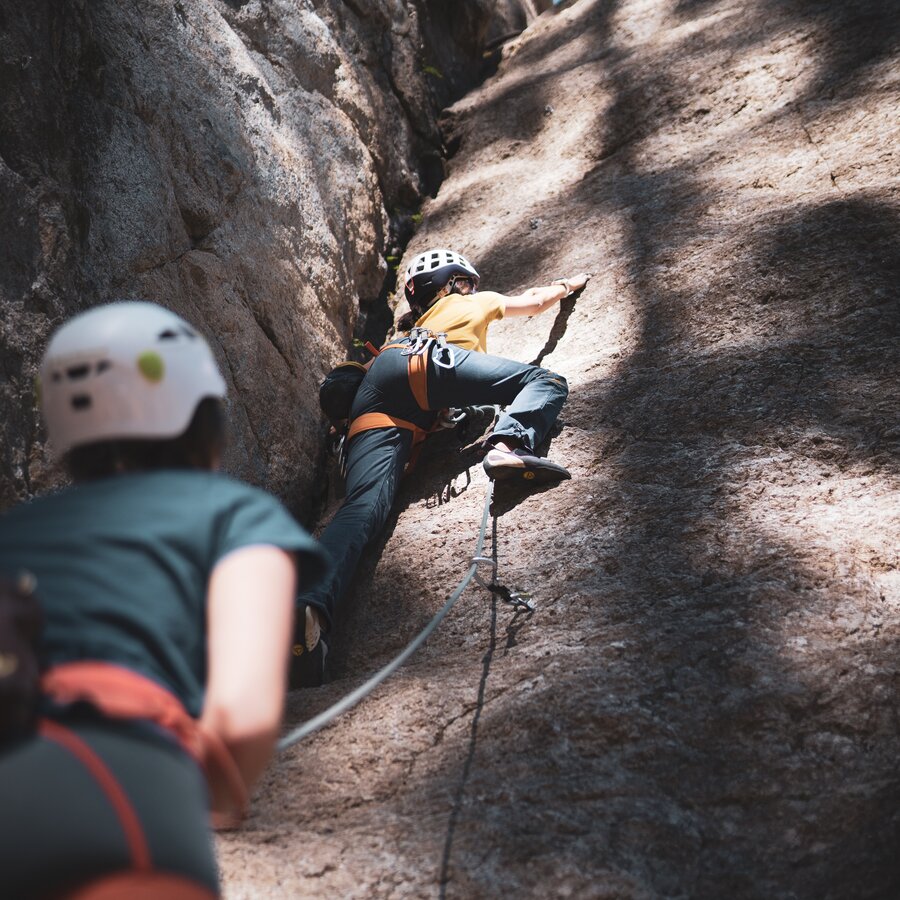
x,y
420,339
443,349
420,342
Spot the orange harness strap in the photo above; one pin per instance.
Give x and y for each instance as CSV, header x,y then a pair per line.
x,y
418,374
368,421
417,369
418,379
120,693
128,820
142,886
141,882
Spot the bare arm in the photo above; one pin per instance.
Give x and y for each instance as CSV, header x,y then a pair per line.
x,y
535,300
250,607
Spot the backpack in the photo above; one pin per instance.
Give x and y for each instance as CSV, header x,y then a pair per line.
x,y
21,623
338,390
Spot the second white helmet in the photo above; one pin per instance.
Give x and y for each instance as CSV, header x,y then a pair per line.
x,y
429,272
126,370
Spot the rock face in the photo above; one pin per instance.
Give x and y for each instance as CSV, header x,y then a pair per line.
x,y
704,702
249,164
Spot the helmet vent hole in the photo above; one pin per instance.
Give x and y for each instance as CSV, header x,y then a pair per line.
x,y
167,335
76,373
102,366
81,401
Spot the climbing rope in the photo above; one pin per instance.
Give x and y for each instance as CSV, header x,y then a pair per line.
x,y
517,599
330,714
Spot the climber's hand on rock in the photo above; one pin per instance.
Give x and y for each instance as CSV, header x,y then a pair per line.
x,y
577,282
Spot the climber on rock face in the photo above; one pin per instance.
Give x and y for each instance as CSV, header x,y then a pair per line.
x,y
441,363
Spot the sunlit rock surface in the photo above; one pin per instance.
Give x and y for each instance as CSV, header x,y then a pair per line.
x,y
251,165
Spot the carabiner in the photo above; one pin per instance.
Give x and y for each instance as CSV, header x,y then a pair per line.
x,y
443,348
477,561
420,339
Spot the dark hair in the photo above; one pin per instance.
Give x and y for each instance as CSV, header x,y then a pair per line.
x,y
198,447
408,320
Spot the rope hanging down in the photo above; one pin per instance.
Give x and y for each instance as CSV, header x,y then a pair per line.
x,y
330,714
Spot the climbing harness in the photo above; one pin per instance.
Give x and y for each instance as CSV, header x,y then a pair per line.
x,y
518,600
120,693
421,339
416,350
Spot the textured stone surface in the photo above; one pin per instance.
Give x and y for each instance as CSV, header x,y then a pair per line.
x,y
249,164
704,703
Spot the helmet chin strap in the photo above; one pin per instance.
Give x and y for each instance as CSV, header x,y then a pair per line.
x,y
456,281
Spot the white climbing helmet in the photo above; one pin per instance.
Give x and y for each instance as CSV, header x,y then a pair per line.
x,y
431,271
124,370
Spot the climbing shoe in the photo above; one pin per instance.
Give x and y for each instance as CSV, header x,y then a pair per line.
x,y
503,465
308,652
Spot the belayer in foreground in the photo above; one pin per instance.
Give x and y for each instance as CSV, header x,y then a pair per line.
x,y
442,363
168,593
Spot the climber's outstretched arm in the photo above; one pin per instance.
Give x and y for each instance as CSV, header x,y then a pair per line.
x,y
535,300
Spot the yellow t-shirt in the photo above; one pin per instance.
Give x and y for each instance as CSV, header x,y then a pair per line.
x,y
465,318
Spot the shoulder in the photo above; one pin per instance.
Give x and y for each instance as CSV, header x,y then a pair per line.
x,y
40,506
491,302
249,515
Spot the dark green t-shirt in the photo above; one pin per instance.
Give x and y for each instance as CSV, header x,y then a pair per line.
x,y
122,566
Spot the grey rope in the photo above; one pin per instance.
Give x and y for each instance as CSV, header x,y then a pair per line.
x,y
330,714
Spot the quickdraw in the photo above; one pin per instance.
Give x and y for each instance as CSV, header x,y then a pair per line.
x,y
420,339
340,452
516,599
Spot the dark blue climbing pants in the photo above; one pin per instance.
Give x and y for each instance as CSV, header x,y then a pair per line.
x,y
532,396
96,797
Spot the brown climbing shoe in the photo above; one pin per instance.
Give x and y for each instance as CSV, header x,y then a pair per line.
x,y
307,668
504,465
